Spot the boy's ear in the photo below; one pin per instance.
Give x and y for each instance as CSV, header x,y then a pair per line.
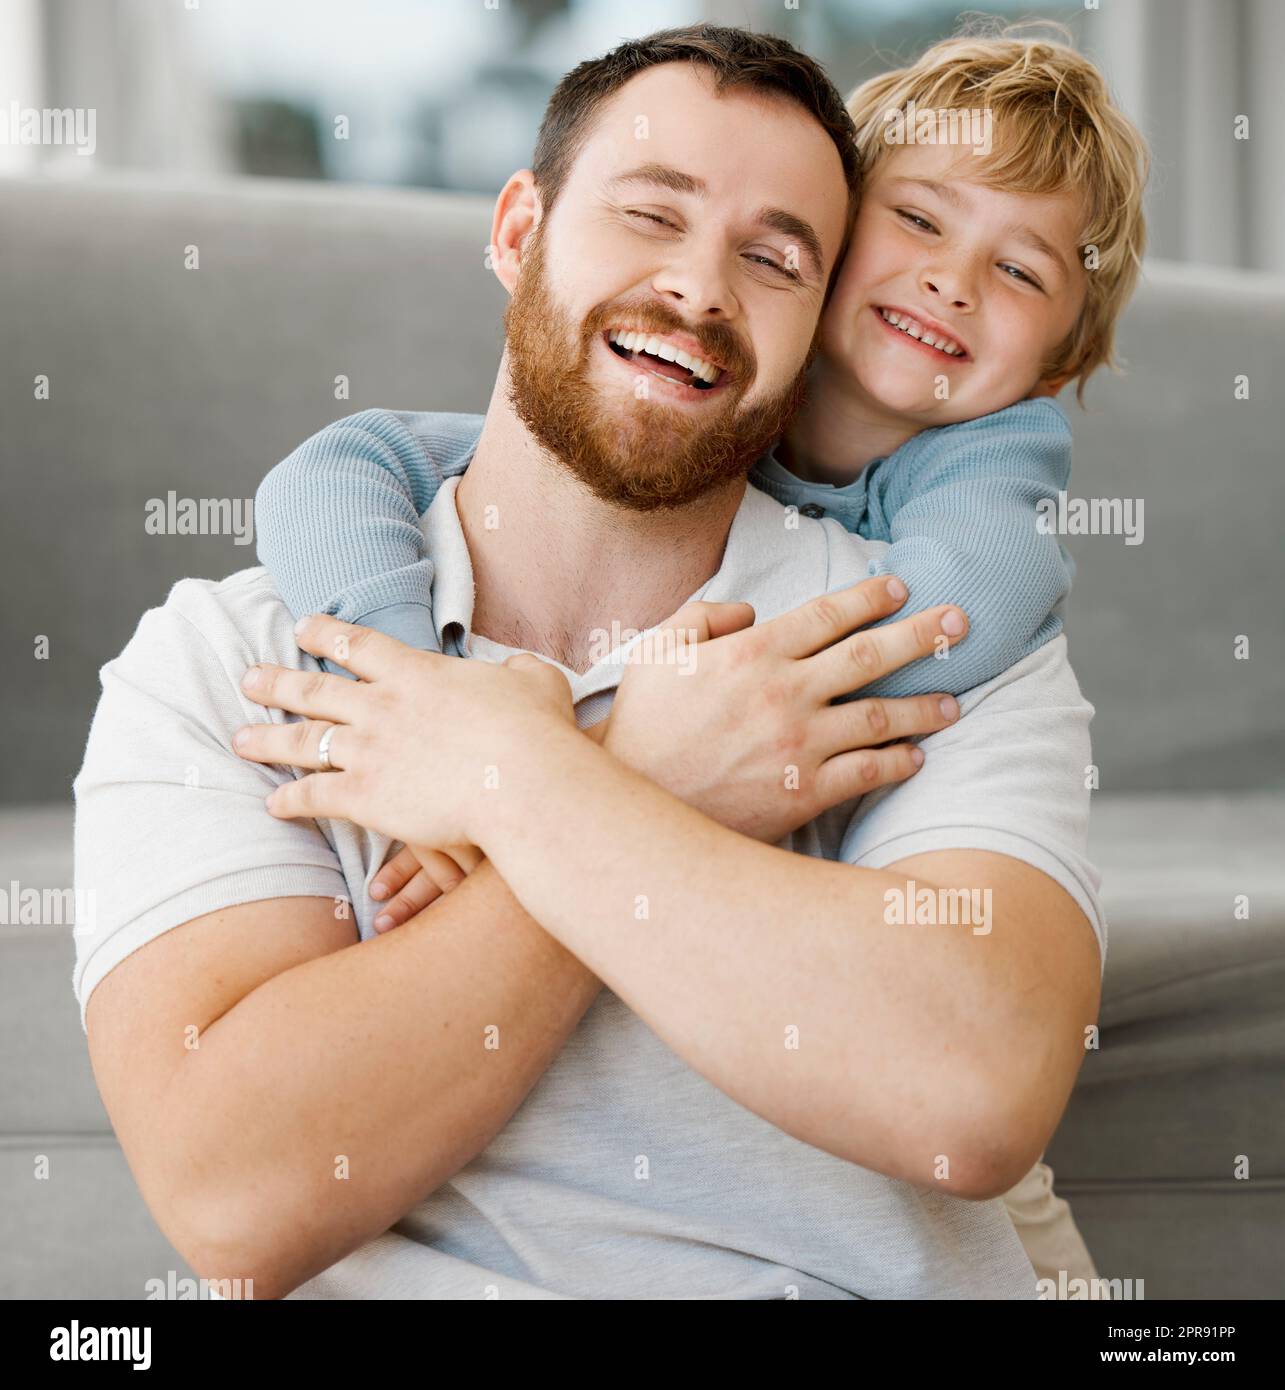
x,y
517,212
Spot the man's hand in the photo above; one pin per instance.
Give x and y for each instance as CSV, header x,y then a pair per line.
x,y
412,720
737,720
416,877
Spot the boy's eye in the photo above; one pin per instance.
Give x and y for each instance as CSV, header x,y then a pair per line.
x,y
915,220
1017,273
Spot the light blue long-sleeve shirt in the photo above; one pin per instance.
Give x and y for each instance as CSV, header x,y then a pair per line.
x,y
338,527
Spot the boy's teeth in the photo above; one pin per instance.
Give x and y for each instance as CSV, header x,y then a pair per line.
x,y
916,330
657,347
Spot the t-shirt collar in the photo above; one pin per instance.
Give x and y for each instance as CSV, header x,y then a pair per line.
x,y
453,590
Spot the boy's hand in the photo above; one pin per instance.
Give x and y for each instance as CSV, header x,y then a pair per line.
x,y
415,877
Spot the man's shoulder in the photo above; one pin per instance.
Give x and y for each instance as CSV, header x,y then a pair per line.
x,y
1008,777
246,600
1043,679
210,628
777,558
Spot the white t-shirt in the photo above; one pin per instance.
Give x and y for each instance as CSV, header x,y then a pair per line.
x,y
170,825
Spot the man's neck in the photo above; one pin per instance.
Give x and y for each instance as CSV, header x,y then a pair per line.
x,y
839,430
555,568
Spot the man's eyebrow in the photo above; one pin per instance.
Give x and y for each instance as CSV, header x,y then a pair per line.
x,y
776,218
796,228
673,179
1027,235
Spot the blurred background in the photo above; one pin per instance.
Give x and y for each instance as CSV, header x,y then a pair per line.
x,y
448,93
284,220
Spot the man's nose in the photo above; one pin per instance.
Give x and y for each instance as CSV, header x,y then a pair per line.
x,y
952,285
699,280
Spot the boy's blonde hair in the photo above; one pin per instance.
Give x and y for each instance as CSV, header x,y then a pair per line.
x,y
1056,128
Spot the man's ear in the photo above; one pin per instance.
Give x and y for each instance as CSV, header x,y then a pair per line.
x,y
517,213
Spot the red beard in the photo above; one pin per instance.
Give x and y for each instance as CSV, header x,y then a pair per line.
x,y
649,456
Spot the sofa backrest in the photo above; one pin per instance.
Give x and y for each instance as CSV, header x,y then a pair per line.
x,y
164,378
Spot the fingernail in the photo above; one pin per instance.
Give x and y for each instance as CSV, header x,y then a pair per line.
x,y
251,678
952,622
240,738
917,756
383,921
302,623
378,890
949,707
896,589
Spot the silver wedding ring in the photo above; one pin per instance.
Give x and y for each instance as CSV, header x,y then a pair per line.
x,y
323,750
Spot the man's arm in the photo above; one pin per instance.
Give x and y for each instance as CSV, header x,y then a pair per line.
x,y
308,1045
778,977
312,1049
333,1085
727,946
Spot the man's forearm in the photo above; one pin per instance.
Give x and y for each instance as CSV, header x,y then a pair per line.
x,y
400,1057
771,973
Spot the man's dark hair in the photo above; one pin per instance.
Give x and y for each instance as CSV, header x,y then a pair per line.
x,y
736,57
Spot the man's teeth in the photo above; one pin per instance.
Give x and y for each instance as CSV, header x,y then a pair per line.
x,y
916,330
658,347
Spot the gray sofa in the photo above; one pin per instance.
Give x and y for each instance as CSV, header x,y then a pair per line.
x,y
198,380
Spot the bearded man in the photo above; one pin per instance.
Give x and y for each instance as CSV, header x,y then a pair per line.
x,y
641,1050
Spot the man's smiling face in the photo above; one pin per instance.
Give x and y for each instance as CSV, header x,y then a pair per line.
x,y
689,223
992,278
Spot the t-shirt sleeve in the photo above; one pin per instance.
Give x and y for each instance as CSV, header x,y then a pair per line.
x,y
170,823
337,523
960,508
1011,776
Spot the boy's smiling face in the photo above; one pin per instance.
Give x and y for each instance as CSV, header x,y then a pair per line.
x,y
994,277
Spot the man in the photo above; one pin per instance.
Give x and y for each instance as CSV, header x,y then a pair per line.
x,y
778,1094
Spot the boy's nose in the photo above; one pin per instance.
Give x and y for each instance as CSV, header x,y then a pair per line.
x,y
953,289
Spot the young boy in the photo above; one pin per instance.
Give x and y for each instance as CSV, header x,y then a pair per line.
x,y
999,236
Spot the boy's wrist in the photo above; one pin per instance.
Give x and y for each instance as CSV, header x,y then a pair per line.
x,y
408,622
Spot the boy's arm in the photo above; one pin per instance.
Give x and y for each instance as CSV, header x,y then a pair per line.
x,y
338,521
962,514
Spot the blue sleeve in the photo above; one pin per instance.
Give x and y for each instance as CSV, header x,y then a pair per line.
x,y
337,521
961,510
